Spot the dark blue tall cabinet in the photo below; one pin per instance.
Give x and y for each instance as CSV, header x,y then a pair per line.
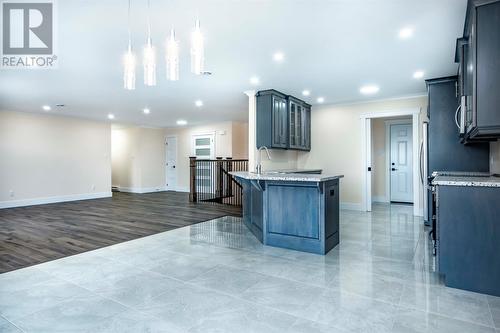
x,y
445,150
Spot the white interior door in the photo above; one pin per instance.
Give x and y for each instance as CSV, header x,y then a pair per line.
x,y
172,163
203,147
401,163
368,165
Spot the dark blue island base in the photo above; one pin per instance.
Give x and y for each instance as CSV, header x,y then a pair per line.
x,y
298,215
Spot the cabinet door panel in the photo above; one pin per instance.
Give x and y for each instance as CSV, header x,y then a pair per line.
x,y
292,116
332,209
279,123
276,123
299,127
488,66
284,124
307,129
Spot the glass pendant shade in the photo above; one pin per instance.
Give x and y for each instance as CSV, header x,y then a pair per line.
x,y
129,69
172,58
149,63
197,50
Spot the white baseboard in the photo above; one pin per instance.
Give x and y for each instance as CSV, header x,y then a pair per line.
x,y
351,206
377,198
55,199
141,189
182,189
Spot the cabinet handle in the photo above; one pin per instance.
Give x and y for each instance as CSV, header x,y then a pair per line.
x,y
421,164
456,116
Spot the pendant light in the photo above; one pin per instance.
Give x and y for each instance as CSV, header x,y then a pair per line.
x,y
172,57
129,61
197,50
149,60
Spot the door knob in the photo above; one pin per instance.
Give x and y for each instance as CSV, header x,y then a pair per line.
x,y
393,169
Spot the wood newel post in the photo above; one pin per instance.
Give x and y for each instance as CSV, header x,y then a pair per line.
x,y
219,178
229,183
192,179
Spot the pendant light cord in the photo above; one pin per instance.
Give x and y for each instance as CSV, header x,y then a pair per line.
x,y
129,29
149,19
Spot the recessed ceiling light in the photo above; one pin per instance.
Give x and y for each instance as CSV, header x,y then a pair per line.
x,y
278,56
320,99
146,111
406,33
418,75
306,92
46,108
182,122
111,116
254,80
198,103
369,90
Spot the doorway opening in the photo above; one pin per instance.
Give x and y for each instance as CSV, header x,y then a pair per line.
x,y
390,144
392,160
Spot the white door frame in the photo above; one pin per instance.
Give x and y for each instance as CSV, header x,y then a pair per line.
x,y
366,153
388,124
176,160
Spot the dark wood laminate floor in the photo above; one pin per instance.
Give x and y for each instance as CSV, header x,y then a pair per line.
x,y
35,234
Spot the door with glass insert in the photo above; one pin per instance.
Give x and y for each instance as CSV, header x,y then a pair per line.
x,y
204,149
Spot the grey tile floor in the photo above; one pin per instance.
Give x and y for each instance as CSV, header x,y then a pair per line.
x,y
216,277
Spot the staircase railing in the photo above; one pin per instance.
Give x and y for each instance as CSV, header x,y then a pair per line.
x,y
211,181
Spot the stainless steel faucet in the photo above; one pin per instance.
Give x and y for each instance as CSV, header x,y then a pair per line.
x,y
258,164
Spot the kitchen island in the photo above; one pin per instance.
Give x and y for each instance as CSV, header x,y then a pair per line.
x,y
298,211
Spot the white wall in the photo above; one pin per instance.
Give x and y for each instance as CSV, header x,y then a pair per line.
x,y
240,140
336,142
138,159
47,158
228,143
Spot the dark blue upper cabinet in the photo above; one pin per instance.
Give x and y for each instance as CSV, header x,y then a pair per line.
x,y
283,121
272,123
478,53
445,151
299,124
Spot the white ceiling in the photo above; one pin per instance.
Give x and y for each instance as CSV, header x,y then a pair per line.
x,y
331,48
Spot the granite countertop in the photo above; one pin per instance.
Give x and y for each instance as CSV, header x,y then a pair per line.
x,y
280,176
460,174
481,181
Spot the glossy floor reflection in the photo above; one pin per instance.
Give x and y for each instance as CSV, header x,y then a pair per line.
x,y
216,277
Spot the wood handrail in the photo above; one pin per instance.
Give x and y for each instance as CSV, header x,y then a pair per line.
x,y
216,184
